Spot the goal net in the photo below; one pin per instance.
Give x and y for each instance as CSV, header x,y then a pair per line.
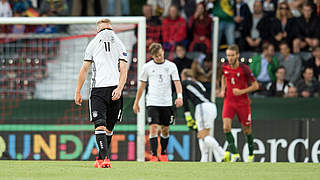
x,y
40,59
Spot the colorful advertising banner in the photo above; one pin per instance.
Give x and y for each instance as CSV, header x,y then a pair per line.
x,y
275,141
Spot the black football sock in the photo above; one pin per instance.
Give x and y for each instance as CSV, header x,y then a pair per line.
x,y
164,143
109,138
154,145
101,141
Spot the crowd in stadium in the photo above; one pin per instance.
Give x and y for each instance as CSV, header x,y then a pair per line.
x,y
280,37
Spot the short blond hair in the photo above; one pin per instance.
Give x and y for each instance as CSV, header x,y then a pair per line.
x,y
155,48
105,20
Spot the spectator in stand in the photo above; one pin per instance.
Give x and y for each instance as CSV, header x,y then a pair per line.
x,y
290,62
160,7
21,6
241,12
295,7
200,25
307,30
5,9
269,7
307,86
54,8
284,22
181,60
174,29
224,11
18,28
292,92
264,66
279,87
250,31
153,31
314,62
186,7
111,7
45,28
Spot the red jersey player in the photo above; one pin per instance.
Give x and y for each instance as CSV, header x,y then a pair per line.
x,y
234,87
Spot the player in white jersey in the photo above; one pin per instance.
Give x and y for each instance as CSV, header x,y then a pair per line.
x,y
159,73
205,114
108,57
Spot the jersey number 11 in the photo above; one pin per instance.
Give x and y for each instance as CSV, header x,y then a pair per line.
x,y
107,46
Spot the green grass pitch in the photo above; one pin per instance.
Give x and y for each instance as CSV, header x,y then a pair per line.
x,y
124,170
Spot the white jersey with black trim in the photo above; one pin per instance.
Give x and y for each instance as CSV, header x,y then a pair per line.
x,y
105,51
159,77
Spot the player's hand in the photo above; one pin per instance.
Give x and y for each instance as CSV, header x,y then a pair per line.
x,y
178,102
237,92
78,99
136,108
116,94
222,94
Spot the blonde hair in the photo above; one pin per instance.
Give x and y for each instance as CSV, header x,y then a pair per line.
x,y
289,13
155,48
105,20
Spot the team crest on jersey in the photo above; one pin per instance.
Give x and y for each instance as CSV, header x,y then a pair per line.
x,y
226,72
238,74
124,54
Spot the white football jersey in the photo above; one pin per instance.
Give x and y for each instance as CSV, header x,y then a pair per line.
x,y
159,77
105,50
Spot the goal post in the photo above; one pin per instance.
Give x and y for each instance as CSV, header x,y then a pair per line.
x,y
141,54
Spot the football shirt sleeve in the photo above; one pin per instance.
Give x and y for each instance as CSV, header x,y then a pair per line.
x,y
88,53
123,55
144,74
174,73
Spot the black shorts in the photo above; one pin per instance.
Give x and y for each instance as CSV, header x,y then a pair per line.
x,y
162,115
102,107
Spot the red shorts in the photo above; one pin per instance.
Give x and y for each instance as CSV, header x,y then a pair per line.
x,y
243,112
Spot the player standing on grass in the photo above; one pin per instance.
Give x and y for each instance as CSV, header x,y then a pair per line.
x,y
235,78
205,114
108,56
159,73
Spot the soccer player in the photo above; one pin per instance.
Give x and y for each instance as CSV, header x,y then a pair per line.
x,y
108,57
205,114
159,73
234,86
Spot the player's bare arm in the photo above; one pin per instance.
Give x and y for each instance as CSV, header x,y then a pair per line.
x,y
253,87
81,78
116,94
178,102
223,86
141,88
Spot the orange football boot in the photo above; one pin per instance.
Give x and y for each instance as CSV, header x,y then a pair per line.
x,y
163,158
